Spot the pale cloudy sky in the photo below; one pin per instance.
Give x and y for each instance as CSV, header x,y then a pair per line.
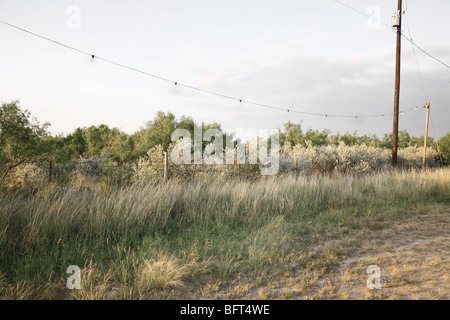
x,y
309,55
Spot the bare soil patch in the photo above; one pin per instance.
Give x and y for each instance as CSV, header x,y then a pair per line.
x,y
412,253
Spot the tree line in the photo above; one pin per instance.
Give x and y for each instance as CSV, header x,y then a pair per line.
x,y
24,139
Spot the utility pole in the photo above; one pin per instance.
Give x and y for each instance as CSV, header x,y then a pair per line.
x,y
427,106
397,22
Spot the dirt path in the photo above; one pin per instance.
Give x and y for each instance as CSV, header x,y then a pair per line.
x,y
413,256
417,270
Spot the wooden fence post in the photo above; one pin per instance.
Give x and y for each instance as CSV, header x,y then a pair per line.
x,y
427,106
166,167
50,172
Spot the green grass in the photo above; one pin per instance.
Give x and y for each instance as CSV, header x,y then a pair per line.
x,y
157,241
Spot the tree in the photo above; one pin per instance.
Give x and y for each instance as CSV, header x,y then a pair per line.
x,y
317,138
76,143
121,148
444,147
419,142
404,139
386,142
156,132
159,131
54,151
98,138
20,137
292,133
186,123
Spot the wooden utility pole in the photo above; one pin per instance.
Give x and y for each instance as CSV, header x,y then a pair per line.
x,y
398,24
166,167
427,106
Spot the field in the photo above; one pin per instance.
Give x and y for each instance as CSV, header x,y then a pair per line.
x,y
283,237
209,151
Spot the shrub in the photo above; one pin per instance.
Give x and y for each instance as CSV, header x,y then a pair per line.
x,y
27,177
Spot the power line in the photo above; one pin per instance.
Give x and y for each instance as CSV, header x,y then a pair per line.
x,y
45,38
415,56
428,54
390,27
421,82
362,13
196,88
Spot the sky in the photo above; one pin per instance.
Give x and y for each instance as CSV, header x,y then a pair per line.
x,y
307,55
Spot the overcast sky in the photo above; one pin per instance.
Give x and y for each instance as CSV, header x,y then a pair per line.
x,y
309,55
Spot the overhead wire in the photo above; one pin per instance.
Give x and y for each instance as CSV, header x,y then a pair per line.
x,y
428,54
223,95
413,45
390,27
423,87
240,100
362,13
417,62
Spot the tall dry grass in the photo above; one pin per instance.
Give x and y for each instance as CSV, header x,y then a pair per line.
x,y
135,241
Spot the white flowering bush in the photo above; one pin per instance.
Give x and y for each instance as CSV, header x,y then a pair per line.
x,y
412,157
356,159
27,176
304,160
151,167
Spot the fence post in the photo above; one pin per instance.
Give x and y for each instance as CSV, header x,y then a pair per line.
x,y
50,172
427,106
166,166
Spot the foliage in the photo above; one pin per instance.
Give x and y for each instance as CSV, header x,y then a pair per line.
x,y
444,147
354,159
156,132
112,155
27,177
20,137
